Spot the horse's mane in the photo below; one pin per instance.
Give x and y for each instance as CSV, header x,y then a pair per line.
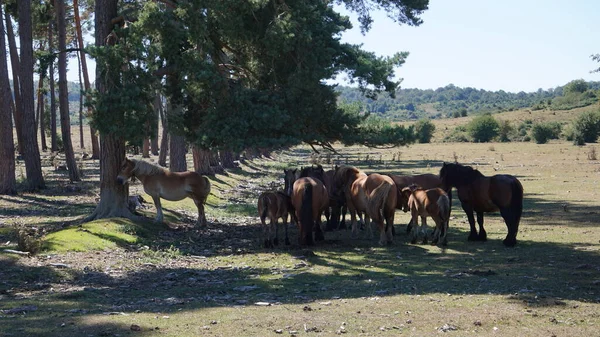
x,y
342,173
145,168
460,174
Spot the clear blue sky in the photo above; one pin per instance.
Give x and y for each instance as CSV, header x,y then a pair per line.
x,y
510,45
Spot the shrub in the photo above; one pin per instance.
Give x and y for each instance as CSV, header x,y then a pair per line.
x,y
424,129
586,127
505,130
458,135
483,128
541,132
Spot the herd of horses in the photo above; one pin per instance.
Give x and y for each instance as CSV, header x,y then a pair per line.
x,y
373,198
310,192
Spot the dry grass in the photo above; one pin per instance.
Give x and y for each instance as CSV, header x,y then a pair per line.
x,y
194,281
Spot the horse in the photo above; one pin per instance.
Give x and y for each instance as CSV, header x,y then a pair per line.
x,y
480,194
433,202
274,205
162,183
336,212
425,181
336,208
309,199
375,195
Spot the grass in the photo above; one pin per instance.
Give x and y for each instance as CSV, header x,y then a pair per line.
x,y
208,281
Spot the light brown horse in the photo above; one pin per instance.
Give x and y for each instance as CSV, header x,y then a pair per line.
x,y
375,195
162,183
274,205
433,202
425,181
309,199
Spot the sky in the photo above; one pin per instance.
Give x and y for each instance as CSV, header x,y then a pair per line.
x,y
506,45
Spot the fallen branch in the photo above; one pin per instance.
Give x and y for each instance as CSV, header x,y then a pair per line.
x,y
18,252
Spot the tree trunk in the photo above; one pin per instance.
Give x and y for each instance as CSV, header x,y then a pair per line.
x,y
113,196
214,159
177,161
202,161
81,93
154,136
227,158
14,60
40,110
164,141
63,93
31,151
8,184
84,70
146,148
53,131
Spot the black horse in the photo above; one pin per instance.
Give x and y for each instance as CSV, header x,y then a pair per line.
x,y
480,194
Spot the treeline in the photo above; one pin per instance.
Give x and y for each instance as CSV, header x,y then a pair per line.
x,y
453,101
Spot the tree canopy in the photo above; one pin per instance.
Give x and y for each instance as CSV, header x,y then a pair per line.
x,y
245,74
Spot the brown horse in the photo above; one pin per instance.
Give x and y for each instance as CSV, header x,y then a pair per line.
x,y
336,212
480,194
433,202
162,183
274,205
310,199
425,181
374,194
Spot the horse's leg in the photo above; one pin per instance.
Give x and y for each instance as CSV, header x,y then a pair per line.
x,y
353,222
512,224
274,229
328,224
414,232
317,229
201,216
389,228
342,223
482,234
435,237
265,232
159,212
285,228
424,228
469,211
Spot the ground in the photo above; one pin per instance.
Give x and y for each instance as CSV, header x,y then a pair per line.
x,y
119,278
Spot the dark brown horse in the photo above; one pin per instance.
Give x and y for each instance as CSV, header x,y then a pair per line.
x,y
480,194
274,205
162,183
309,199
337,205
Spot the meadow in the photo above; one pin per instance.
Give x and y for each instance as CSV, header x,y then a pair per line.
x,y
116,277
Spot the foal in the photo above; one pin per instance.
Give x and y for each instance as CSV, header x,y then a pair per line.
x,y
433,202
274,205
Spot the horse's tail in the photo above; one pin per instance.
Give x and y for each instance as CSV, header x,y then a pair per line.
x,y
443,203
378,198
265,201
306,214
206,189
516,201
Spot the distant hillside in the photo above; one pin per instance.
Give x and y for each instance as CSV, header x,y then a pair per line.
x,y
453,101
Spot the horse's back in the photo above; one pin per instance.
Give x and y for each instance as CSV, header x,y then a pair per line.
x,y
503,188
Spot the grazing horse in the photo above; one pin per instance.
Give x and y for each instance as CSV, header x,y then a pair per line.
x,y
425,181
162,183
309,199
375,195
274,205
480,194
433,202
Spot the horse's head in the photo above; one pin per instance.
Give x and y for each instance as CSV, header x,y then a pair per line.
x,y
290,176
446,176
126,171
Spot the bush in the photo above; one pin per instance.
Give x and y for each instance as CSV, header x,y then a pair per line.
x,y
483,128
505,130
458,135
424,129
586,127
542,132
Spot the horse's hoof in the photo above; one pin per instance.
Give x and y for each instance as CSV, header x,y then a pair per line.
x,y
413,241
509,242
473,237
482,236
425,241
